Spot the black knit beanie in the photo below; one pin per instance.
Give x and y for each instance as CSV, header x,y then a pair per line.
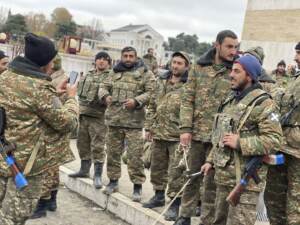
x,y
103,55
38,49
297,47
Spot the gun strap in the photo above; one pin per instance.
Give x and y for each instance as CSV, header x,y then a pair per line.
x,y
33,155
237,162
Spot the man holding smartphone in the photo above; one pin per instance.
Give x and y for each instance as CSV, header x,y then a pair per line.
x,y
91,135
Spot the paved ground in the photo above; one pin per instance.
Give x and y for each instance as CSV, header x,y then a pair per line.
x,y
76,210
125,186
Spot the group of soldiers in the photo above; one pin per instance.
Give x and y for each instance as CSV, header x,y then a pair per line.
x,y
212,117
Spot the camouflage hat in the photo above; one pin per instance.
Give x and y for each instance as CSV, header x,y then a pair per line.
x,y
258,52
57,63
183,55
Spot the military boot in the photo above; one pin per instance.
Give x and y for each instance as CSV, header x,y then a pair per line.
x,y
111,187
172,213
84,169
40,210
52,204
183,221
137,193
157,200
98,175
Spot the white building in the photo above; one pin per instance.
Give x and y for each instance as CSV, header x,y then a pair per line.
x,y
140,37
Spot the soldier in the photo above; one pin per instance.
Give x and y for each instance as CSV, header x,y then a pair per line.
x,y
280,75
51,184
265,80
37,122
207,85
92,130
126,92
162,125
151,62
3,62
283,184
247,125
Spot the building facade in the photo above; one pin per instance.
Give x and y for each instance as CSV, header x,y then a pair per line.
x,y
273,25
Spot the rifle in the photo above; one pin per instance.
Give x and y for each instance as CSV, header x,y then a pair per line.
x,y
252,166
6,151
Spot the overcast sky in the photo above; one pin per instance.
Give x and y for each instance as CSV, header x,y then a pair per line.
x,y
169,17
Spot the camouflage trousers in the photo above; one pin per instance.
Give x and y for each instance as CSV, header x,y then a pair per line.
x,y
190,197
282,194
51,182
115,144
165,168
18,205
243,214
91,138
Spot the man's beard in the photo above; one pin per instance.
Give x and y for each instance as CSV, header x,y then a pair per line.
x,y
241,86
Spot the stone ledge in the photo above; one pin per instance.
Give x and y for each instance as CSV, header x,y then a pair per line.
x,y
117,204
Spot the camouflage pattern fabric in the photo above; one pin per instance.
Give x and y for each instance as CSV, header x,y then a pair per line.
x,y
281,80
115,145
16,205
284,183
34,109
261,134
207,87
151,63
196,158
243,213
58,77
137,85
162,118
51,183
164,167
91,138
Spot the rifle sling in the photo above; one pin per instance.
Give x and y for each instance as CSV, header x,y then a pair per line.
x,y
33,155
237,162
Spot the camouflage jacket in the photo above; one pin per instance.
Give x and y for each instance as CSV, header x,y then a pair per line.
x,y
162,117
281,80
35,114
88,88
261,134
207,86
151,63
125,84
289,103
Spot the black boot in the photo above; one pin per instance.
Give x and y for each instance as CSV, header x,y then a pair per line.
x,y
183,221
172,213
40,210
98,175
84,169
137,193
111,187
52,205
157,200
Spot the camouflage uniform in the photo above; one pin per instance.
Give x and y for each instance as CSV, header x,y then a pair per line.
x,y
92,130
34,114
208,84
151,63
162,121
52,182
282,80
284,191
263,120
126,123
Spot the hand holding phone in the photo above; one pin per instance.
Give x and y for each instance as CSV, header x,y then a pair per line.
x,y
73,77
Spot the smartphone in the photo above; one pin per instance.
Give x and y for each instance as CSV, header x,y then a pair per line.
x,y
73,77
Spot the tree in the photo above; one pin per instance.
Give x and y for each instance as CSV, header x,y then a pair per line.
x,y
15,25
61,15
188,43
36,23
63,29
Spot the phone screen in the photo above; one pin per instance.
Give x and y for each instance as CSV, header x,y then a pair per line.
x,y
73,77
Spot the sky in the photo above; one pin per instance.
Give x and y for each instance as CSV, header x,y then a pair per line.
x,y
204,18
